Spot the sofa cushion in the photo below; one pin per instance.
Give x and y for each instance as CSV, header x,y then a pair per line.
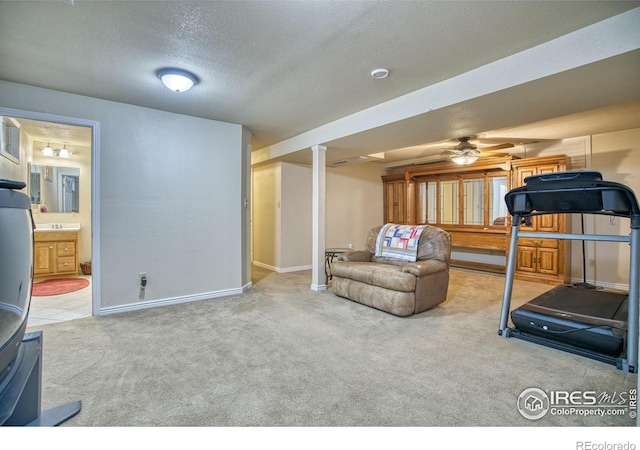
x,y
395,302
384,275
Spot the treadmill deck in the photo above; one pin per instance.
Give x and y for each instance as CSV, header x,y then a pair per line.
x,y
593,319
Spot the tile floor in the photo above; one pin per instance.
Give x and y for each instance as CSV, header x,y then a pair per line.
x,y
60,308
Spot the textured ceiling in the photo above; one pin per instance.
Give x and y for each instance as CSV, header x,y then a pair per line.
x,y
281,68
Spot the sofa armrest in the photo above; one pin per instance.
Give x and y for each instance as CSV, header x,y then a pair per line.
x,y
425,267
355,256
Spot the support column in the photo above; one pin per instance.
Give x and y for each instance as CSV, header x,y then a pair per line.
x,y
318,276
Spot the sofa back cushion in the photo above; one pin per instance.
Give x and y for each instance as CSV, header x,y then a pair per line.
x,y
435,243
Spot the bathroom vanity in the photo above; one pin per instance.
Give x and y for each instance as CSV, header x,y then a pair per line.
x,y
55,252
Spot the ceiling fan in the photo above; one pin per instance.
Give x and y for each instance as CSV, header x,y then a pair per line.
x,y
466,153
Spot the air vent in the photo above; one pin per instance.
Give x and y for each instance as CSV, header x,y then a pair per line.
x,y
351,160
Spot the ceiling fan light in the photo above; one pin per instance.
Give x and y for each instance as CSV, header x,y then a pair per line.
x,y
177,80
464,160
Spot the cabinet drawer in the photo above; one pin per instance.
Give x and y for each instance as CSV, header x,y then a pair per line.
x,y
66,264
537,242
490,241
66,248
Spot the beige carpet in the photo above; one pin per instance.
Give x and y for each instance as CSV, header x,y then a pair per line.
x,y
284,355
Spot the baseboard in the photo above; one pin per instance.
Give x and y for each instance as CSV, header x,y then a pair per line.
x,y
294,269
170,301
265,266
281,269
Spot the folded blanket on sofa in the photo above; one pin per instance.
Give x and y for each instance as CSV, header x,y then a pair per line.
x,y
398,241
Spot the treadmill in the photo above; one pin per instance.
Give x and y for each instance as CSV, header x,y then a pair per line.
x,y
596,323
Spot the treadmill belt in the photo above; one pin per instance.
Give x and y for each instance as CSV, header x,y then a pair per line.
x,y
587,302
592,319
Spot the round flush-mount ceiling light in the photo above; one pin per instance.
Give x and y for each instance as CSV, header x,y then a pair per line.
x,y
379,74
178,80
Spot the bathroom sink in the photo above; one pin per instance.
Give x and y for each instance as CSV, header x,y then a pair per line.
x,y
40,227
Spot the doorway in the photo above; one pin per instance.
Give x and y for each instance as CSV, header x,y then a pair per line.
x,y
73,202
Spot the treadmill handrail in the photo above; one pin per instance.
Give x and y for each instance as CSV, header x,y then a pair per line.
x,y
576,237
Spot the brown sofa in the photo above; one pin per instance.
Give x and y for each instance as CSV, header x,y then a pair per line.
x,y
397,287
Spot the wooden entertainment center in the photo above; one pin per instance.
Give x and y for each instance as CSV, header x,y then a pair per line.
x,y
468,202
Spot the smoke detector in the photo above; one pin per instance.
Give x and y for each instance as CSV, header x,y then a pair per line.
x,y
379,74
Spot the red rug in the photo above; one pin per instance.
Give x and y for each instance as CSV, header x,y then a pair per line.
x,y
58,286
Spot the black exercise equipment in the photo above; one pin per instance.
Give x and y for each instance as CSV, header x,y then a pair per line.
x,y
596,323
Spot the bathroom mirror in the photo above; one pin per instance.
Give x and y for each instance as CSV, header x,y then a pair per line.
x,y
54,189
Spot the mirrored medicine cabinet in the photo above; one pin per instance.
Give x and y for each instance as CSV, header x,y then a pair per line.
x,y
54,189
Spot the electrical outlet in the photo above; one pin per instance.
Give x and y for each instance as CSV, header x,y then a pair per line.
x,y
143,280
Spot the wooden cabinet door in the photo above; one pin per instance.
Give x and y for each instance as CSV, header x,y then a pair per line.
x,y
44,253
389,189
394,201
547,261
549,222
526,259
520,175
399,213
537,260
544,260
524,172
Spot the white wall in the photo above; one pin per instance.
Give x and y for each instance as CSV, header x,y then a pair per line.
x,y
170,198
296,225
282,209
282,216
617,157
354,203
266,215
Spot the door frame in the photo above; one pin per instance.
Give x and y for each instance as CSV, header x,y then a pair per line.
x,y
95,187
